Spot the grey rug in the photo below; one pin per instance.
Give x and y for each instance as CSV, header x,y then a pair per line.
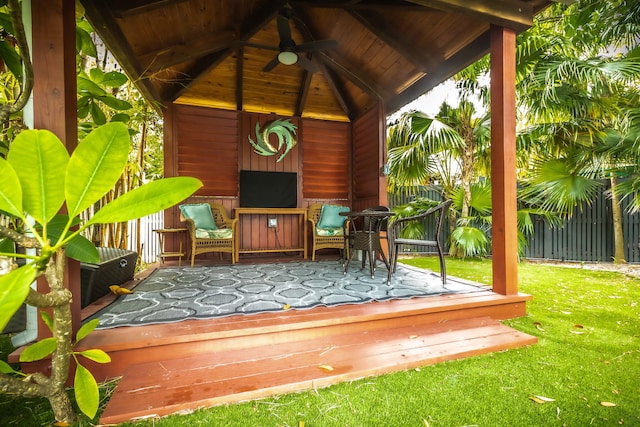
x,y
173,294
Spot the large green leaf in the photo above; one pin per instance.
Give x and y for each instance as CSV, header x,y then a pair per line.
x,y
6,246
40,160
96,165
115,103
14,288
5,368
87,87
97,355
82,249
39,350
10,190
147,199
97,115
10,56
86,391
114,79
86,329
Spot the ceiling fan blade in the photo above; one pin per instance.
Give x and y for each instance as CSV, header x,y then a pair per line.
x,y
284,31
307,64
316,45
271,65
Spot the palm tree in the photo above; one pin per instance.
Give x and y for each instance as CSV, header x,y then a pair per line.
x,y
575,103
449,150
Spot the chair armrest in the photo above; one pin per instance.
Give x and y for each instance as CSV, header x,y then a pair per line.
x,y
189,224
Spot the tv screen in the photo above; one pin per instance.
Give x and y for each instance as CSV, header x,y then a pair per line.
x,y
260,189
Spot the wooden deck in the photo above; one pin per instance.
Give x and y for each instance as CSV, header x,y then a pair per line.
x,y
189,365
181,367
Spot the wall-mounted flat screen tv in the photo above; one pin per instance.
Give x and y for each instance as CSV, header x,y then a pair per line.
x,y
260,189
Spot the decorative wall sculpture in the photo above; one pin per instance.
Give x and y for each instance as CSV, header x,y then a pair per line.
x,y
283,129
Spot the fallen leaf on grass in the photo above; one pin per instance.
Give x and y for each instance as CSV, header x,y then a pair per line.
x,y
608,404
538,326
541,399
579,326
301,424
327,368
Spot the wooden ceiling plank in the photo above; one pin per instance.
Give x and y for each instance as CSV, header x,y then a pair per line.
x,y
118,45
516,14
468,55
376,26
203,66
176,54
126,8
363,82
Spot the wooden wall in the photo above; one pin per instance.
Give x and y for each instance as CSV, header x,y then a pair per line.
x,y
336,162
369,185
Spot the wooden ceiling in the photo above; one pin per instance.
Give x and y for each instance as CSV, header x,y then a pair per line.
x,y
213,52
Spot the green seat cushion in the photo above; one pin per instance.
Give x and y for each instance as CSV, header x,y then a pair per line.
x,y
328,232
201,215
220,233
330,216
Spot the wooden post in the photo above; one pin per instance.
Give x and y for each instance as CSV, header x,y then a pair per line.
x,y
503,161
55,97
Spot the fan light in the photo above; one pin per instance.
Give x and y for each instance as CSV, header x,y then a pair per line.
x,y
287,58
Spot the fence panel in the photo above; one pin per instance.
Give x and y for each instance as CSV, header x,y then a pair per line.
x,y
586,236
148,244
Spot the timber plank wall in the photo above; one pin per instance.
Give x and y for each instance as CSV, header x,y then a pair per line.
x,y
336,162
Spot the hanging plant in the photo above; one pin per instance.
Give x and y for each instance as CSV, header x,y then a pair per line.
x,y
283,129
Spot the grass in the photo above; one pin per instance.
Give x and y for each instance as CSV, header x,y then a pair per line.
x,y
588,325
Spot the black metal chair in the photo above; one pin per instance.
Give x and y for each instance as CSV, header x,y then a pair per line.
x,y
395,241
364,234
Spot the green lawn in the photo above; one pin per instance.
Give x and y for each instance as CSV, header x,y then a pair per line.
x,y
588,324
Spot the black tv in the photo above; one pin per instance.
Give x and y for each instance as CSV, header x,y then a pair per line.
x,y
259,189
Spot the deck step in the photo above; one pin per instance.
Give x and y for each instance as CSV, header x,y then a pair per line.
x,y
170,386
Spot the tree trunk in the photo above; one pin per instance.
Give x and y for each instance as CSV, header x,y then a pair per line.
x,y
616,213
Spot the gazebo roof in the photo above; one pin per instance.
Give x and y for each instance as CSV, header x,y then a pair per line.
x,y
213,53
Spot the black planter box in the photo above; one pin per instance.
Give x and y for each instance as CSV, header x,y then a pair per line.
x,y
116,267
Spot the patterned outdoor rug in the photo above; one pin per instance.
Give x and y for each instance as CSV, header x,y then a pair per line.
x,y
174,294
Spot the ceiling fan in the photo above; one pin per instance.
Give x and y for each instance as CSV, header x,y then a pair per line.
x,y
288,50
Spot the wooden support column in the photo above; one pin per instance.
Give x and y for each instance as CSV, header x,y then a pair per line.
x,y
55,97
503,161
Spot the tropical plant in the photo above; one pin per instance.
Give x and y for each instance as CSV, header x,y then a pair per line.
x,y
450,150
577,94
46,189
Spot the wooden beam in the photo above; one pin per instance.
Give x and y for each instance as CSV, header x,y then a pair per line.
x,y
55,102
302,94
153,62
517,15
365,83
239,78
504,229
207,63
337,90
118,45
466,56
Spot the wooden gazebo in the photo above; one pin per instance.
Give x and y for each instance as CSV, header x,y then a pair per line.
x,y
212,68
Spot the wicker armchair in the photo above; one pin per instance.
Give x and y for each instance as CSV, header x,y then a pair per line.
x,y
206,240
320,241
